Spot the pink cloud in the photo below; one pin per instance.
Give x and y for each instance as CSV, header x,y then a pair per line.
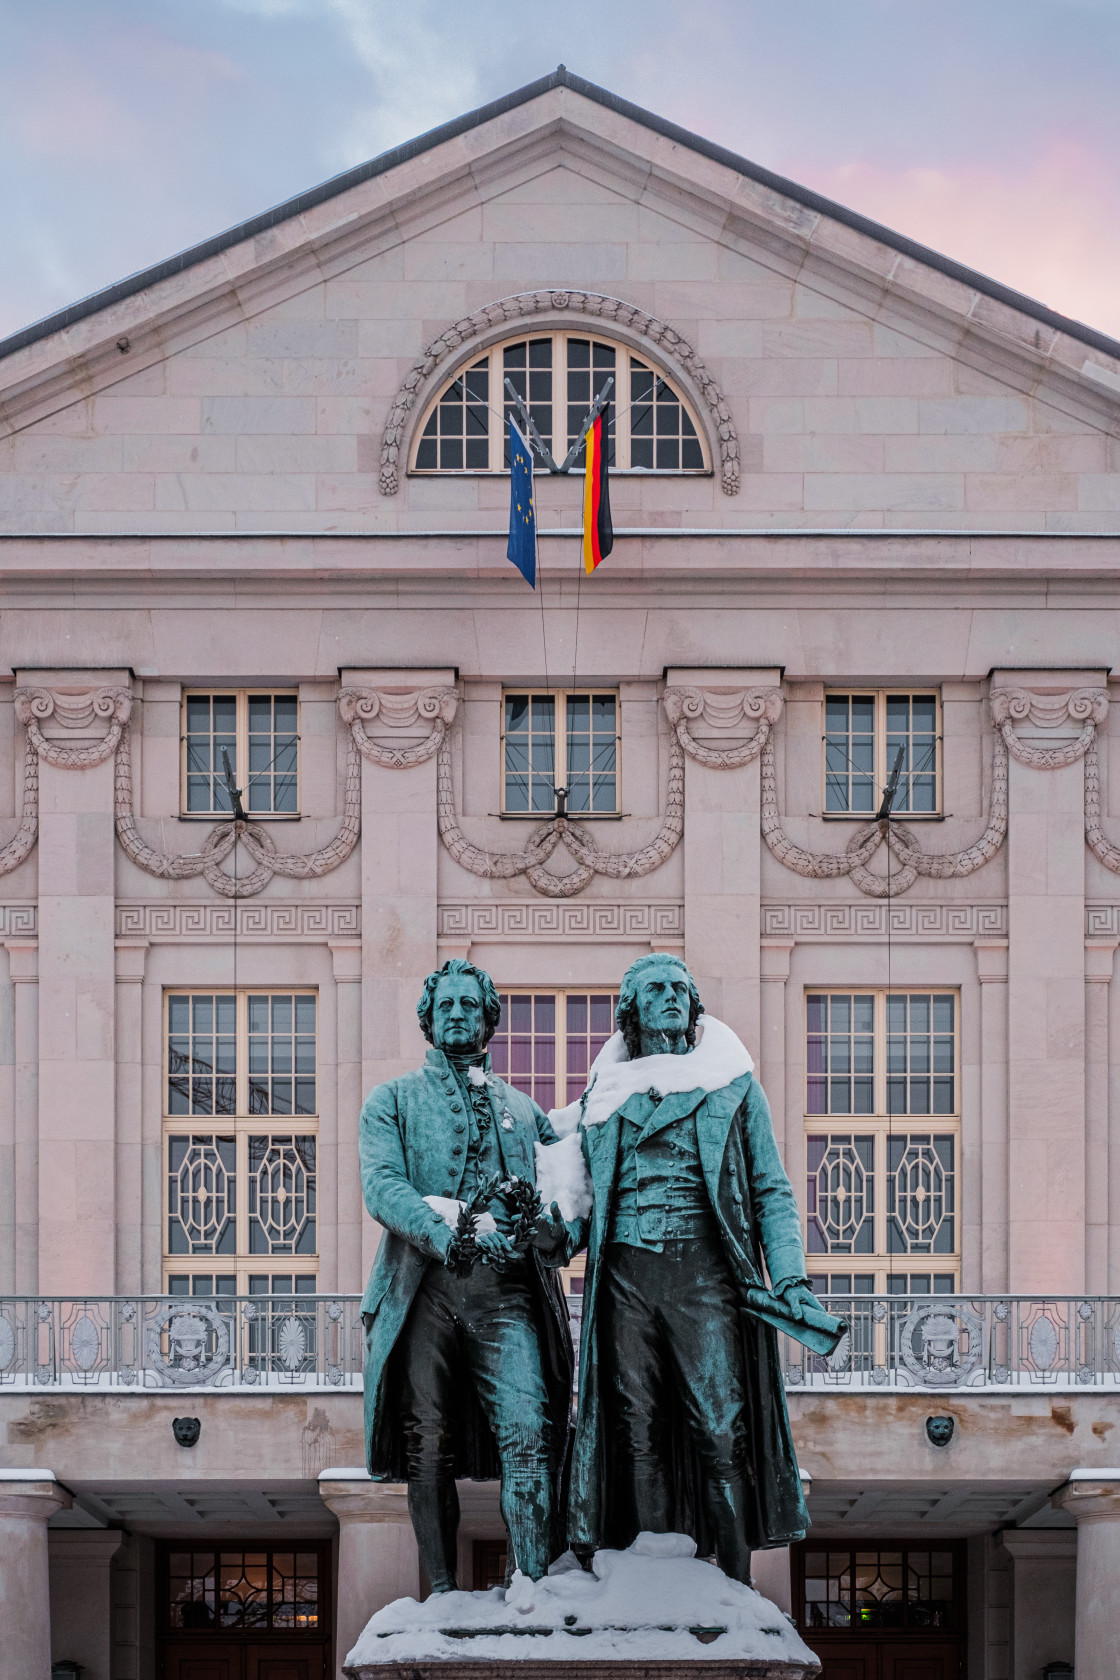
x,y
1051,230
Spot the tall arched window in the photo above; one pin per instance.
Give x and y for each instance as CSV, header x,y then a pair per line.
x,y
558,374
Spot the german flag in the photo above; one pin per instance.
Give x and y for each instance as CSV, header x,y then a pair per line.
x,y
598,532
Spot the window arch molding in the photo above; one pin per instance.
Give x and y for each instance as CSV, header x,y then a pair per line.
x,y
560,311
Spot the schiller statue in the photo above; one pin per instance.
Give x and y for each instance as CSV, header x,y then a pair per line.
x,y
682,1422
468,1366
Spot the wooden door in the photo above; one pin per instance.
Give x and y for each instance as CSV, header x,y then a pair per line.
x,y
850,1662
264,1662
917,1662
198,1661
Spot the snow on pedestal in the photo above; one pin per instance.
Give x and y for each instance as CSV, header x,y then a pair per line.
x,y
655,1603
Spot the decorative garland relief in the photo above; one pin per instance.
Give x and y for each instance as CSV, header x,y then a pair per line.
x,y
413,726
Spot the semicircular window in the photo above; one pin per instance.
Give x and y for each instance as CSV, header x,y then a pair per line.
x,y
558,375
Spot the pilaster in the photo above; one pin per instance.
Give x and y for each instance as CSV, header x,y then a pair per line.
x,y
995,1189
400,842
1046,718
1100,957
23,971
131,959
1043,1592
81,1598
341,1248
775,960
75,720
723,713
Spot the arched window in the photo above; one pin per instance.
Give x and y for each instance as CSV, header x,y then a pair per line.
x,y
558,374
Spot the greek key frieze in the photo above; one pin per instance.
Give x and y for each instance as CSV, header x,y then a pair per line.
x,y
951,923
518,919
188,923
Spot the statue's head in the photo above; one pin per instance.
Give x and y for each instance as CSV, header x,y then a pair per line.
x,y
658,1006
459,1009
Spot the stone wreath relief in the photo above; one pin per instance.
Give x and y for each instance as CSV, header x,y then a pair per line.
x,y
748,717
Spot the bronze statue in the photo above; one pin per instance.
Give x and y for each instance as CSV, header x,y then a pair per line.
x,y
468,1366
682,1422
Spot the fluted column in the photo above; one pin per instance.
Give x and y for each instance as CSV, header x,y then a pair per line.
x,y
28,1500
378,1559
1092,1498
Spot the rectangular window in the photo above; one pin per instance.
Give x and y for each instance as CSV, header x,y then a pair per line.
x,y
896,1587
863,734
884,1190
258,736
582,765
546,1042
245,1190
244,1589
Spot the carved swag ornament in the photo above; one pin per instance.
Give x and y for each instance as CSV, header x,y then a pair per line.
x,y
410,726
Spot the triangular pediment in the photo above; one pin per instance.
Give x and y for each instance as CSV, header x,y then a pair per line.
x,y
560,185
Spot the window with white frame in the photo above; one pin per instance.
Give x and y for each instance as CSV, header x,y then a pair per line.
x,y
558,374
863,733
882,1140
240,1141
559,739
258,735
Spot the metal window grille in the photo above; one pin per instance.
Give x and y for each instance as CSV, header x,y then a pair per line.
x,y
903,1588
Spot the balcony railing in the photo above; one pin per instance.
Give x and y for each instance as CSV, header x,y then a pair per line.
x,y
930,1342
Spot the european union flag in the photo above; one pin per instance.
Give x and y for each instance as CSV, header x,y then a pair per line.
x,y
522,545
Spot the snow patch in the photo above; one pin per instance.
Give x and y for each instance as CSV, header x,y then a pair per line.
x,y
563,1178
654,1601
717,1058
448,1209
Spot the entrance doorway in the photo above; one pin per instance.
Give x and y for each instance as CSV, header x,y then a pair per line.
x,y
889,1610
244,1610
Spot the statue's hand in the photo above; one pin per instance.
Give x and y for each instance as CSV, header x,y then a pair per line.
x,y
797,1295
495,1247
550,1236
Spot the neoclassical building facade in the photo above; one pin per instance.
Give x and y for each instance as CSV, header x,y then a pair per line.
x,y
281,729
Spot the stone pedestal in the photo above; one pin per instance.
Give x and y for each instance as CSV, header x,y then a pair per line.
x,y
28,1499
81,1601
1092,1498
377,1556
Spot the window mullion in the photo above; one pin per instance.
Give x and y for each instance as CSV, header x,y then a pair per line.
x,y
497,408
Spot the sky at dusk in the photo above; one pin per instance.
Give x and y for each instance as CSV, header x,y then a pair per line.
x,y
988,129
